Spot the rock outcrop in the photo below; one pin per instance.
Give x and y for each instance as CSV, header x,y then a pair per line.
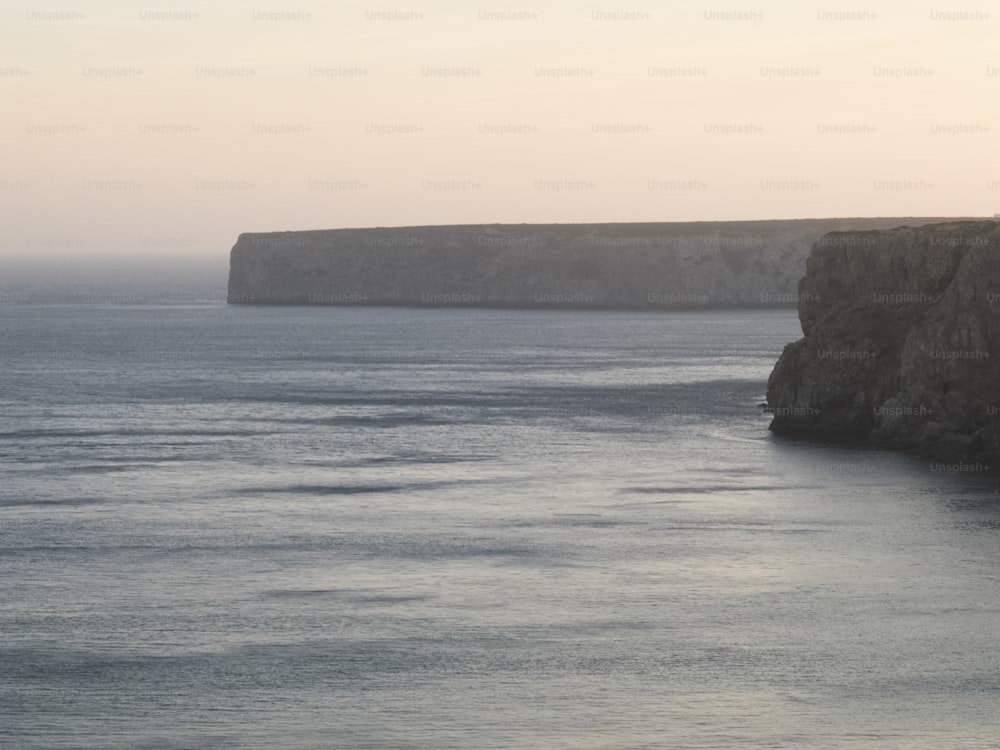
x,y
611,266
901,342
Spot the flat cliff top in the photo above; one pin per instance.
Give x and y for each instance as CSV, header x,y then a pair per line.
x,y
845,224
629,265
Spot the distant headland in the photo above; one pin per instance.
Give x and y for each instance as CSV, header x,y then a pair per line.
x,y
628,266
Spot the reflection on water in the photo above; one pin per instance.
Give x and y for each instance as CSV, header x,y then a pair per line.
x,y
372,528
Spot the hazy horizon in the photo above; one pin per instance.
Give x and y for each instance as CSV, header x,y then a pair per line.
x,y
634,419
172,130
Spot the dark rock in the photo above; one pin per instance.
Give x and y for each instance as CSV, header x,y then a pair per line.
x,y
902,341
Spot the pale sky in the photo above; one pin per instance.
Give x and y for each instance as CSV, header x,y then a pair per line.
x,y
172,127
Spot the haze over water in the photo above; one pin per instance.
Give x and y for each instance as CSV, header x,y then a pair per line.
x,y
240,527
401,528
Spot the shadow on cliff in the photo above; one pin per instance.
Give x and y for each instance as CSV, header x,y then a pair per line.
x,y
901,345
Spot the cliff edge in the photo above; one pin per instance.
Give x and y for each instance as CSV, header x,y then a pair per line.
x,y
901,342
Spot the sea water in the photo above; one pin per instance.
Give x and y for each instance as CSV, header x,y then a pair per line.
x,y
259,527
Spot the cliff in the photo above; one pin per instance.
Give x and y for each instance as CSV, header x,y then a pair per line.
x,y
901,342
623,266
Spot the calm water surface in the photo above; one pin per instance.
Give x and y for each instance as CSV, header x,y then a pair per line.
x,y
236,527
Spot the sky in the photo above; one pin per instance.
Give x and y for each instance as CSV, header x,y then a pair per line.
x,y
170,128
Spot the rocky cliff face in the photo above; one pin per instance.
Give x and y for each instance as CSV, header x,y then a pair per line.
x,y
638,266
902,341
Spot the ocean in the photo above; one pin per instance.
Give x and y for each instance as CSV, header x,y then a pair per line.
x,y
260,527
